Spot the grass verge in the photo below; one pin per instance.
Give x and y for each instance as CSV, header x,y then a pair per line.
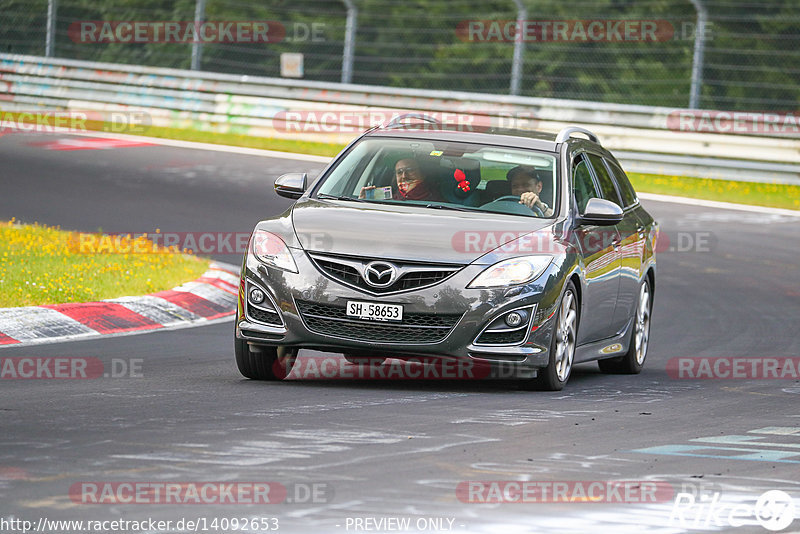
x,y
244,140
753,193
47,265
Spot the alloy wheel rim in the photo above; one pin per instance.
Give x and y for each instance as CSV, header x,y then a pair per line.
x,y
642,332
565,336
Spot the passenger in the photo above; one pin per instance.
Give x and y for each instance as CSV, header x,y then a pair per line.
x,y
526,185
411,183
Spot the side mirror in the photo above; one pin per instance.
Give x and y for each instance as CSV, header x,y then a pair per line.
x,y
291,185
601,212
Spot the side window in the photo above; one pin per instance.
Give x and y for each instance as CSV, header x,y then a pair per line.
x,y
604,180
582,184
625,187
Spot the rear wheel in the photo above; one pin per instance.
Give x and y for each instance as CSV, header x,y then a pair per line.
x,y
633,361
271,363
562,345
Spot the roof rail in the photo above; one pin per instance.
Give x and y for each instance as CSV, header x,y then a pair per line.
x,y
567,132
398,121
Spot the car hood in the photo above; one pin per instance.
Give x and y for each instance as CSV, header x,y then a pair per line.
x,y
410,233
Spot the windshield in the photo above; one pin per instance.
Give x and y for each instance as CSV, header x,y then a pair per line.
x,y
446,175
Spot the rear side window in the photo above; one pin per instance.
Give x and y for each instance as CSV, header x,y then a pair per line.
x,y
582,183
625,187
604,180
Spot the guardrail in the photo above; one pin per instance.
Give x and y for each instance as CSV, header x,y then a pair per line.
x,y
640,135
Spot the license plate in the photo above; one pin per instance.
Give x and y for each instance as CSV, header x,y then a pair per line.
x,y
373,311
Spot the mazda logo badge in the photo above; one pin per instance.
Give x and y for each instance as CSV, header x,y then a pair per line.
x,y
380,274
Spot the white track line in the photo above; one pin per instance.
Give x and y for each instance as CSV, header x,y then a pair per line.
x,y
322,159
716,204
210,146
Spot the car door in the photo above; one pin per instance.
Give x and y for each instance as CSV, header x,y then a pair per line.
x,y
626,247
600,258
633,247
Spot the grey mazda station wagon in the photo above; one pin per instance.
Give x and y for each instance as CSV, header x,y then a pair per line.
x,y
420,241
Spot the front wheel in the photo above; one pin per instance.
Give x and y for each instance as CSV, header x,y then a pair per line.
x,y
562,345
272,363
633,361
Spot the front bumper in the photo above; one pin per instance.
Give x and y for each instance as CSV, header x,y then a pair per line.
x,y
457,316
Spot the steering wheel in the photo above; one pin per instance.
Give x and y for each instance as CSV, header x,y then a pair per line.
x,y
515,198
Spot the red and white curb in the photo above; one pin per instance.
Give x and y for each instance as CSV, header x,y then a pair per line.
x,y
212,296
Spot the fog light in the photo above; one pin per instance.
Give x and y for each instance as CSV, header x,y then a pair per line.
x,y
256,296
516,318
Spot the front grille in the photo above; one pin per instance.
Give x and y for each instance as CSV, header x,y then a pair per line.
x,y
410,275
502,338
415,327
342,272
419,279
263,316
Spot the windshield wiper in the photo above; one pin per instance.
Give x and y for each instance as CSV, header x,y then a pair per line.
x,y
446,207
334,197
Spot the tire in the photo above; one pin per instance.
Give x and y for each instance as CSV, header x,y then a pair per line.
x,y
274,363
364,360
562,345
633,361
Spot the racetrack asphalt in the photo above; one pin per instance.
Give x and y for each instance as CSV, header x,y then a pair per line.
x,y
399,448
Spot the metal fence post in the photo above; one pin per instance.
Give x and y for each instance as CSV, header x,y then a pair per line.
x,y
349,41
699,52
50,40
519,49
197,46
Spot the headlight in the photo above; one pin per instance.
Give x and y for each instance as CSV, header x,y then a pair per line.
x,y
512,272
271,249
